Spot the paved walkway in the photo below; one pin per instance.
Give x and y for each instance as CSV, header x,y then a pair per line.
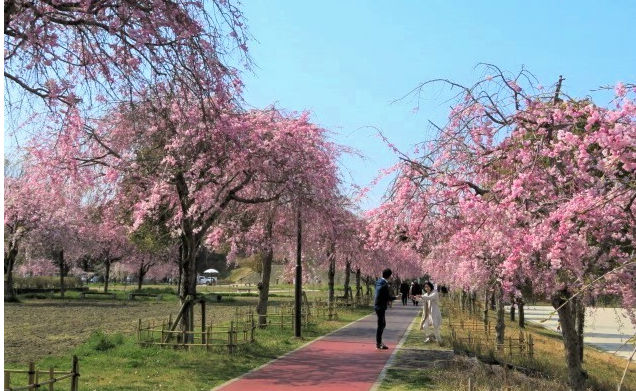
x,y
343,360
605,328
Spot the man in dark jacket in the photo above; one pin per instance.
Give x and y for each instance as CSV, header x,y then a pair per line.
x,y
404,291
416,290
382,298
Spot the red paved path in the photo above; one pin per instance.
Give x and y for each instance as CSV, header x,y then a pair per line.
x,y
344,360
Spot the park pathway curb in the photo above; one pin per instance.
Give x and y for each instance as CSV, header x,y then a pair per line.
x,y
345,359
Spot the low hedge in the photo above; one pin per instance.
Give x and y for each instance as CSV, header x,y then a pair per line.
x,y
47,282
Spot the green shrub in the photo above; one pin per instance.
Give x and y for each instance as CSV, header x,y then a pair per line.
x,y
100,341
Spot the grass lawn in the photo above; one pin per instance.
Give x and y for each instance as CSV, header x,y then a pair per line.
x,y
424,366
113,361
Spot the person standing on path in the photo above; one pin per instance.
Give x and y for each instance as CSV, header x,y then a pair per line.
x,y
431,315
382,298
404,291
416,291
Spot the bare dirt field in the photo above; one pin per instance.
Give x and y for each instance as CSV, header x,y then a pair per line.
x,y
35,329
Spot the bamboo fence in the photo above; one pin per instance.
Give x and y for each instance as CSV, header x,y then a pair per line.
x,y
478,336
239,331
40,379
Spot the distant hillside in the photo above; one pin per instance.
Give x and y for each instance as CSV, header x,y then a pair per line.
x,y
245,275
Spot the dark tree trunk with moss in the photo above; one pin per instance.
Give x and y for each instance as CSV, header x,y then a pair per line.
x,y
580,324
266,273
512,309
569,318
188,288
140,277
331,274
141,273
347,281
500,328
486,297
522,317
358,287
463,299
10,257
106,274
61,264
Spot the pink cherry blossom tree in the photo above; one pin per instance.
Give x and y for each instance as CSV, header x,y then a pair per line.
x,y
524,187
82,56
190,164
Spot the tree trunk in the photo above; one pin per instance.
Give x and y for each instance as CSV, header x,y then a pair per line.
x,y
180,276
331,274
580,324
60,262
463,300
9,263
500,328
347,281
358,287
266,274
140,276
522,318
486,308
188,288
568,319
107,274
493,303
512,309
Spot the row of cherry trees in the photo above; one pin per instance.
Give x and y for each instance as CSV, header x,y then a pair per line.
x,y
526,192
143,151
55,227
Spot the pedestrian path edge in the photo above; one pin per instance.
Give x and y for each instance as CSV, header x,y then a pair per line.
x,y
288,353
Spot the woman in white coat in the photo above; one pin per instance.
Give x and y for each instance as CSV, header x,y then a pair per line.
x,y
431,315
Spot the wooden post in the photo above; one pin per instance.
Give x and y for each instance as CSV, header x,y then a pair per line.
x,y
7,380
530,345
207,338
31,375
229,336
162,330
51,377
203,321
75,377
471,386
253,326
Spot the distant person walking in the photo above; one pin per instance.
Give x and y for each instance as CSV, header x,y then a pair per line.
x,y
404,291
382,299
416,291
431,315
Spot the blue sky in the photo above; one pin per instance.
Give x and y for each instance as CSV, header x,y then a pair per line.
x,y
346,61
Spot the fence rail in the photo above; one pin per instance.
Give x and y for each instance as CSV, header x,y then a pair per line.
x,y
35,375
